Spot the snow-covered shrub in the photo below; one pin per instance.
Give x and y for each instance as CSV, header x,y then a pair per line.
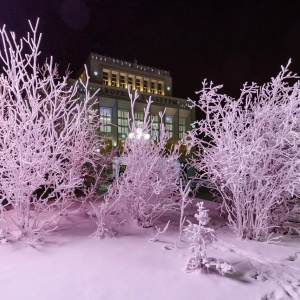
x,y
47,139
200,237
149,186
249,150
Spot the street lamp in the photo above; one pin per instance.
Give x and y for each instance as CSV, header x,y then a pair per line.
x,y
139,135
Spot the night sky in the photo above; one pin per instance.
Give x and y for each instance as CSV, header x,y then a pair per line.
x,y
228,42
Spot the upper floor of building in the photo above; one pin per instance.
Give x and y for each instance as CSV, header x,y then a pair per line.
x,y
118,73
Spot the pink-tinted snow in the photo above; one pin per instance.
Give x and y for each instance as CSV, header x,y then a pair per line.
x,y
72,265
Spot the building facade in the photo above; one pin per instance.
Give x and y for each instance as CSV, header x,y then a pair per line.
x,y
113,76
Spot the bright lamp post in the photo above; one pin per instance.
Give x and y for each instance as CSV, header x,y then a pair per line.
x,y
139,135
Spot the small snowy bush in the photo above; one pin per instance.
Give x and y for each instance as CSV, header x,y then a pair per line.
x,y
200,237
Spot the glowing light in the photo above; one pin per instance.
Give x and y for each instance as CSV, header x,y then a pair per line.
x,y
168,88
139,135
95,73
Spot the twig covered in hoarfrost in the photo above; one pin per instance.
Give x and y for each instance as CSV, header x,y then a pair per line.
x,y
184,191
274,240
159,231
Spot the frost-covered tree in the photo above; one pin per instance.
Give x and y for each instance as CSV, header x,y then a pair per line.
x,y
47,139
249,150
149,186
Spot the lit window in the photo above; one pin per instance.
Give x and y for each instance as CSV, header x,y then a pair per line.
x,y
145,86
105,118
83,76
122,123
105,78
182,127
159,88
138,84
122,81
152,87
130,82
113,79
169,125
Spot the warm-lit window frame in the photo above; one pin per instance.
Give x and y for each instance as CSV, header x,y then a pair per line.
x,y
152,89
159,88
105,77
130,82
138,84
114,79
122,81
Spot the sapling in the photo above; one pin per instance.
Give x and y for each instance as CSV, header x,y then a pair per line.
x,y
107,206
200,236
184,191
100,212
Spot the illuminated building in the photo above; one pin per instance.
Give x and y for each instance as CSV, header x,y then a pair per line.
x,y
112,76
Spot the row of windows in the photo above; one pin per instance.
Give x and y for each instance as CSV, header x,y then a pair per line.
x,y
106,113
147,85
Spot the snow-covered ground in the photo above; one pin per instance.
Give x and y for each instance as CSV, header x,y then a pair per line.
x,y
73,265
